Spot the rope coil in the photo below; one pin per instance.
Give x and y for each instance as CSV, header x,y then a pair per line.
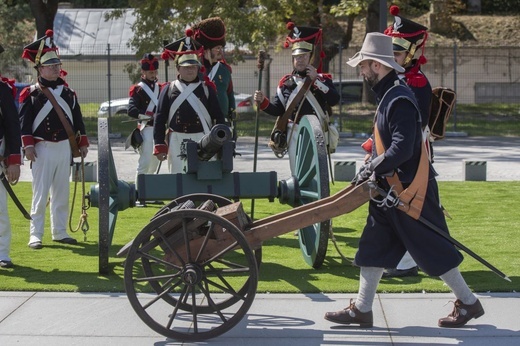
x,y
83,220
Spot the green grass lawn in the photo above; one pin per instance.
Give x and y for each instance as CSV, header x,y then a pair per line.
x,y
483,220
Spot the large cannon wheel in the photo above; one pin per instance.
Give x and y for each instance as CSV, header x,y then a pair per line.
x,y
110,195
312,174
211,294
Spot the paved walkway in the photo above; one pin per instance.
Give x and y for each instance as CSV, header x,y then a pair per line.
x,y
94,319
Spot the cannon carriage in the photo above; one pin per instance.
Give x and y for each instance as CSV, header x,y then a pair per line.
x,y
192,272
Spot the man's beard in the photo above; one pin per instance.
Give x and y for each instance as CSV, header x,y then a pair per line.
x,y
372,80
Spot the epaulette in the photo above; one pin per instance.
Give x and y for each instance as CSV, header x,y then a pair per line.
x,y
10,84
284,80
223,62
132,90
162,85
24,94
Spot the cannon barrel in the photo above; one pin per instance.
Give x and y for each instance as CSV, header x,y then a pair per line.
x,y
211,143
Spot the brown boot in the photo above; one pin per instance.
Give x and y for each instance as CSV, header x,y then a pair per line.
x,y
351,315
461,314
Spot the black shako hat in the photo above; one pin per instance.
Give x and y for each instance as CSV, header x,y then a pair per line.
x,y
43,51
149,62
302,39
185,51
406,34
305,39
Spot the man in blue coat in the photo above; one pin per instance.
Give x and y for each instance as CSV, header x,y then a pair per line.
x,y
399,156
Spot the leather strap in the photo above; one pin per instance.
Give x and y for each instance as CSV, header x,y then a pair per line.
x,y
281,121
411,198
68,128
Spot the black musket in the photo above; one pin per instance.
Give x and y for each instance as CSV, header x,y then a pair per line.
x,y
443,234
15,199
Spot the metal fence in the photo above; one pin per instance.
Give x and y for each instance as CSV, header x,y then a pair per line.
x,y
477,74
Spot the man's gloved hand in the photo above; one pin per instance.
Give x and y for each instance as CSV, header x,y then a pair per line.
x,y
363,174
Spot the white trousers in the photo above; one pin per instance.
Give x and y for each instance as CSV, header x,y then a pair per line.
x,y
406,262
148,162
5,227
50,173
176,163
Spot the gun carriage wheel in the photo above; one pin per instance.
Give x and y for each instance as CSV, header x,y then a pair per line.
x,y
311,182
110,195
179,290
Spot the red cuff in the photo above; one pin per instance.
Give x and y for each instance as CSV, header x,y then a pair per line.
x,y
14,159
160,149
264,104
367,145
83,141
28,141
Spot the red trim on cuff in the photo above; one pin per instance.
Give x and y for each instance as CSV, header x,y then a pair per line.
x,y
160,149
83,141
367,145
28,141
264,104
14,159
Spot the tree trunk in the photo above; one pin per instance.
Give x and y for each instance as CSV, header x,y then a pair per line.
x,y
372,25
43,12
440,17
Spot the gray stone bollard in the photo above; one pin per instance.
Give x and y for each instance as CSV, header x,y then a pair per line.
x,y
344,170
474,170
90,172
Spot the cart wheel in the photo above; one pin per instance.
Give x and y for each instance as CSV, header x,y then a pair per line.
x,y
312,174
203,263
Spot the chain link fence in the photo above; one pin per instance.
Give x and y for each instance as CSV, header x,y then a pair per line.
x,y
477,74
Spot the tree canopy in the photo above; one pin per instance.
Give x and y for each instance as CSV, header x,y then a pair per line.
x,y
250,24
16,26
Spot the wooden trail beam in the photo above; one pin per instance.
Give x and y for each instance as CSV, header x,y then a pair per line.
x,y
343,202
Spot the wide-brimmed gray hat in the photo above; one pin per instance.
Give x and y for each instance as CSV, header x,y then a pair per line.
x,y
378,47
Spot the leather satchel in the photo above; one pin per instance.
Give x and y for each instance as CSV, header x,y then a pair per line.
x,y
68,128
443,102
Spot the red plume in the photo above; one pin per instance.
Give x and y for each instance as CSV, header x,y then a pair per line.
x,y
290,25
394,10
49,33
189,32
165,55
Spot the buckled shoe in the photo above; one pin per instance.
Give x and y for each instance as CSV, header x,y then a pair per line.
x,y
461,314
351,315
37,245
6,264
